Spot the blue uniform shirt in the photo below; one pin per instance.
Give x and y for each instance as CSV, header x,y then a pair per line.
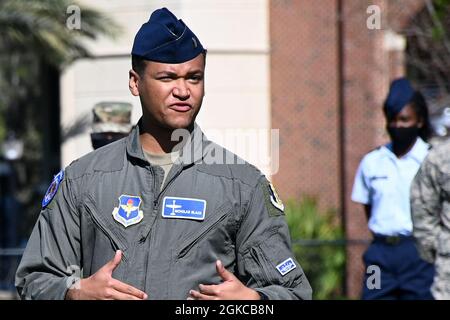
x,y
383,181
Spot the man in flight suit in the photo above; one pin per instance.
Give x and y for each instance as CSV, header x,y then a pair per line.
x,y
149,217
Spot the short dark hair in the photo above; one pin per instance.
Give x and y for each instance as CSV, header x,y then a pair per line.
x,y
139,63
420,107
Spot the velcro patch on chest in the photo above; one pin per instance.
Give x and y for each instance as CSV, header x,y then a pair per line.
x,y
128,212
184,208
286,266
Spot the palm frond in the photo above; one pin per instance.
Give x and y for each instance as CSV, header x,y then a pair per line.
x,y
39,27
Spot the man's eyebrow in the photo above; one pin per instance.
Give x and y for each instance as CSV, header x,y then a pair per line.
x,y
173,74
197,71
167,73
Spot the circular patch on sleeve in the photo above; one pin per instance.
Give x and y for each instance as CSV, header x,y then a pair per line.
x,y
52,189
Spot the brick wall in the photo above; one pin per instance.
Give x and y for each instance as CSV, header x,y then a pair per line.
x,y
303,97
305,101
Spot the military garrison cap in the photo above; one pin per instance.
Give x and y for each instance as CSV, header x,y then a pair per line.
x,y
112,117
166,39
400,94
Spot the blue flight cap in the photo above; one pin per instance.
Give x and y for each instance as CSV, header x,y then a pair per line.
x,y
400,94
166,39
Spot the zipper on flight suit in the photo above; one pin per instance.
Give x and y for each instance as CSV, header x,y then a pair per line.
x,y
143,239
154,179
156,201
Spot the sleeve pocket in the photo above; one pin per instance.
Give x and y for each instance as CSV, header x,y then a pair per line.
x,y
266,263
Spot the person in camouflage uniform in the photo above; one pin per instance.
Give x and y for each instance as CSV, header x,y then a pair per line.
x,y
112,121
430,207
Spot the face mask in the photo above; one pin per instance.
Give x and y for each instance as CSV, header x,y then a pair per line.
x,y
403,138
99,139
99,142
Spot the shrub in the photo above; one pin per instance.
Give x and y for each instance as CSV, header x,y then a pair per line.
x,y
317,238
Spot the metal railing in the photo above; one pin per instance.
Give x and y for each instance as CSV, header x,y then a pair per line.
x,y
336,243
11,251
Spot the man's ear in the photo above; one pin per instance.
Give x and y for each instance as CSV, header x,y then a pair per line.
x,y
133,83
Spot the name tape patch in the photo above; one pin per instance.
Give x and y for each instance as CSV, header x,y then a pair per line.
x,y
184,208
286,266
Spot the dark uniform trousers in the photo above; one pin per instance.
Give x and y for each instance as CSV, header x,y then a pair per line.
x,y
403,274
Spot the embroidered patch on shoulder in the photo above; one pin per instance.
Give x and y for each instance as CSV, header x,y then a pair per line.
x,y
286,266
128,213
274,205
274,198
52,189
184,208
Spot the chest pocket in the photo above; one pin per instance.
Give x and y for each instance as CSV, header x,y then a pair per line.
x,y
101,242
214,229
381,185
264,260
108,229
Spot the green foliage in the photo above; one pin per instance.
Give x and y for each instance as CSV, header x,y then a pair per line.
x,y
323,263
2,129
439,10
34,33
441,7
39,26
35,43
